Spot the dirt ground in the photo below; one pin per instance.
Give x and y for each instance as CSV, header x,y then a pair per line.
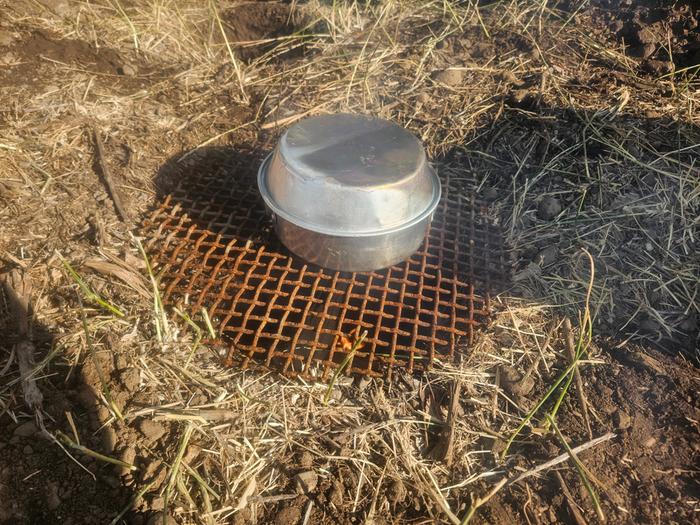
x,y
578,125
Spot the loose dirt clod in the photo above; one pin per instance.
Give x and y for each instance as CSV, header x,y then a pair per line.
x,y
26,429
152,430
288,515
306,482
622,420
516,383
450,77
549,208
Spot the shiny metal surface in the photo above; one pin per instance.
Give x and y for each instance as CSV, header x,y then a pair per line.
x,y
349,192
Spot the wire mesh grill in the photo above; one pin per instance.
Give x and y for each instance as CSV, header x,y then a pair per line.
x,y
214,248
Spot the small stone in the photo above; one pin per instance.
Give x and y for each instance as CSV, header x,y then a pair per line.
x,y
423,97
154,472
26,429
450,77
131,379
520,95
650,442
397,491
159,518
549,208
127,70
306,482
152,430
306,459
622,420
28,450
336,494
616,25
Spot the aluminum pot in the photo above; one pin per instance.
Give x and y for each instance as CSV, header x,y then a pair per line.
x,y
349,192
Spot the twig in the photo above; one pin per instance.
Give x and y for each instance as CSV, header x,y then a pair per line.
x,y
563,457
436,494
292,118
571,348
449,429
307,514
272,499
578,517
160,319
482,501
131,503
109,181
18,289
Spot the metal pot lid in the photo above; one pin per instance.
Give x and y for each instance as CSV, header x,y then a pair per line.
x,y
349,174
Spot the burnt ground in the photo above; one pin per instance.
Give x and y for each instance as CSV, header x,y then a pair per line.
x,y
62,79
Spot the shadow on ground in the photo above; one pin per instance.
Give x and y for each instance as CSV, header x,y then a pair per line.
x,y
546,182
64,490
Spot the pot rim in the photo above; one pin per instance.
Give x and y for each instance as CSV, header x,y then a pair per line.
x,y
276,210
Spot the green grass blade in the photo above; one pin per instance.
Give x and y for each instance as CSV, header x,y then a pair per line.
x,y
89,293
342,366
580,469
89,452
160,319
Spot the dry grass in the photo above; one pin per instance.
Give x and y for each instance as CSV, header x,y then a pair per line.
x,y
623,170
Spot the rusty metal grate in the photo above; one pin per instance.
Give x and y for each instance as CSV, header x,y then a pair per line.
x,y
213,246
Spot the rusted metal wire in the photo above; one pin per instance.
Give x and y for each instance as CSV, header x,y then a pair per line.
x,y
214,247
